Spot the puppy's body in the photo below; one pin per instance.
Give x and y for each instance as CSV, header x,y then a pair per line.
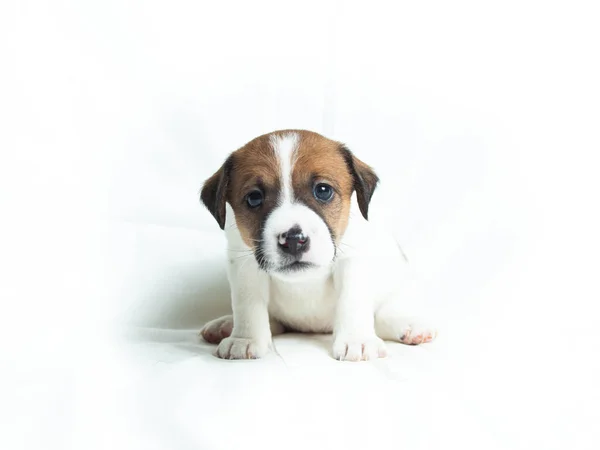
x,y
302,255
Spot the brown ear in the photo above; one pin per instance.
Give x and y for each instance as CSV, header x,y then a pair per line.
x,y
214,192
365,180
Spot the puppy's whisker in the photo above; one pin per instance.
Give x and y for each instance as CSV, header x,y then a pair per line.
x,y
245,261
241,257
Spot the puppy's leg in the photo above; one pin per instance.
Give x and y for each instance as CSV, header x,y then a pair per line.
x,y
251,333
218,329
354,337
392,325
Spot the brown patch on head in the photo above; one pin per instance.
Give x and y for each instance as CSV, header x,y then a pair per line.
x,y
253,167
321,160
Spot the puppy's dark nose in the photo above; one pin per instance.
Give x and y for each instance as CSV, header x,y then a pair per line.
x,y
293,241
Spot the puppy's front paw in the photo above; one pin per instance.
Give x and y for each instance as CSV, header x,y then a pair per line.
x,y
243,348
358,348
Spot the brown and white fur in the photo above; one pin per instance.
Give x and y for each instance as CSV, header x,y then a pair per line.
x,y
301,254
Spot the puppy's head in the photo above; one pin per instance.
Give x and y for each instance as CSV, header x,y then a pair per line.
x,y
290,192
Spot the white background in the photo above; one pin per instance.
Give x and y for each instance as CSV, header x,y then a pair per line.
x,y
482,121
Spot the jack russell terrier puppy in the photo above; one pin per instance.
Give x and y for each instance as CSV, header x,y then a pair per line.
x,y
300,256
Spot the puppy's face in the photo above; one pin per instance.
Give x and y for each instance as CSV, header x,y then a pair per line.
x,y
290,192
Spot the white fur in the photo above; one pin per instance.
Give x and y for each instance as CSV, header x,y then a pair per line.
x,y
357,296
304,305
285,148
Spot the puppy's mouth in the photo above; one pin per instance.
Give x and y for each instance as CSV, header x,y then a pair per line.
x,y
284,267
290,265
296,266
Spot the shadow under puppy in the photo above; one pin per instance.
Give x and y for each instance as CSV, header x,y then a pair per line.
x,y
302,255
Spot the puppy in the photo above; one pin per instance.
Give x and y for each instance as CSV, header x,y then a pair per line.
x,y
302,255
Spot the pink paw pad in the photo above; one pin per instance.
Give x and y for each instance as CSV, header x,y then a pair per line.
x,y
417,338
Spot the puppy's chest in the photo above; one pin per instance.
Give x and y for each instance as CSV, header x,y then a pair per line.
x,y
306,307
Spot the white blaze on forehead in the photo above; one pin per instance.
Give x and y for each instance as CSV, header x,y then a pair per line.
x,y
285,147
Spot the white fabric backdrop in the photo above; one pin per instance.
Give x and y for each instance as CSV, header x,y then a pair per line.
x,y
482,123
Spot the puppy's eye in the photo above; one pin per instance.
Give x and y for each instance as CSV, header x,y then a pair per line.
x,y
254,199
323,192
